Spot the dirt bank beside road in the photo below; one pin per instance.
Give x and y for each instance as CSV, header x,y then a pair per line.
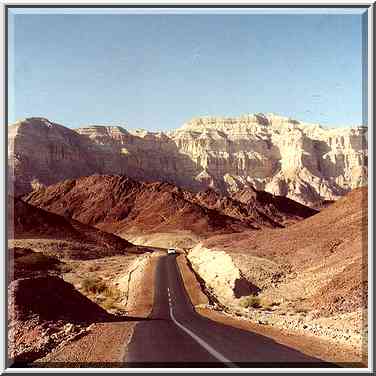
x,y
105,343
309,345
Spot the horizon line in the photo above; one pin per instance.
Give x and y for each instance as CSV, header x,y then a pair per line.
x,y
124,125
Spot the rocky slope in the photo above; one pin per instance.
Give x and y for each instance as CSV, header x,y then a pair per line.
x,y
121,205
266,207
321,260
59,236
41,152
44,312
310,277
282,156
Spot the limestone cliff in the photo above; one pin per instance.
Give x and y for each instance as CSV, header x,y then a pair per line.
x,y
305,162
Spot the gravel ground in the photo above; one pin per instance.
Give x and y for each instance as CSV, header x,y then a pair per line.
x,y
312,346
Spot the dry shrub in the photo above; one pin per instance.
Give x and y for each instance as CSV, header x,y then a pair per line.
x,y
302,310
105,295
94,285
250,301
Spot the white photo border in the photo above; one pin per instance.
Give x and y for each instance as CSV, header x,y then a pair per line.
x,y
368,116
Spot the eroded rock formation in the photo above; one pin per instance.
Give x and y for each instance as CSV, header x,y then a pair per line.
x,y
305,162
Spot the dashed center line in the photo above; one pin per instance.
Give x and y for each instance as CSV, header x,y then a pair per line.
x,y
169,296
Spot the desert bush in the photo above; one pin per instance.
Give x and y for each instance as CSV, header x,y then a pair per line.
x,y
302,310
110,303
250,301
105,295
267,304
112,292
94,285
65,268
112,296
93,268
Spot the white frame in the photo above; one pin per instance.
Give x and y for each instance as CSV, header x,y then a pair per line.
x,y
210,3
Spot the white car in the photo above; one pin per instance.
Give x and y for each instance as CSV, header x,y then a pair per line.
x,y
171,251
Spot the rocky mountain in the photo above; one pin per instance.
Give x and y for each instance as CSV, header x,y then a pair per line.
x,y
282,156
265,208
61,237
118,204
41,152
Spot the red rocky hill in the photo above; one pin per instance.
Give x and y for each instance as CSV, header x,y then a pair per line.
x,y
119,204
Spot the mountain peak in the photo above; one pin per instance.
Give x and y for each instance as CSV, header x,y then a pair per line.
x,y
36,122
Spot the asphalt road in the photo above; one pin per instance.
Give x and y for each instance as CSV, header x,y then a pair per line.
x,y
177,336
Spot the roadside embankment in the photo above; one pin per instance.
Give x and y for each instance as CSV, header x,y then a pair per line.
x,y
106,342
339,338
222,278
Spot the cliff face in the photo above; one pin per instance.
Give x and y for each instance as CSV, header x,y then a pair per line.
x,y
41,152
304,162
282,156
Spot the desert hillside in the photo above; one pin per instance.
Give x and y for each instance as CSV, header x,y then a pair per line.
x,y
310,276
305,162
337,231
59,235
276,210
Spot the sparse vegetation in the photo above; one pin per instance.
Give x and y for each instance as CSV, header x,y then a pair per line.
x,y
65,268
93,268
302,310
93,285
250,301
104,294
27,263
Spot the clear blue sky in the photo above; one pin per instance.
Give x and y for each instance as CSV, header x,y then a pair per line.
x,y
158,71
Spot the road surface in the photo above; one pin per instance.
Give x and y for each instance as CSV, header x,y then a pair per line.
x,y
177,336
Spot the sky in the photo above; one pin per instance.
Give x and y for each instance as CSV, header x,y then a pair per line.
x,y
157,71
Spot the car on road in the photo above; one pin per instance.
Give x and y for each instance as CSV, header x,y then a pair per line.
x,y
171,251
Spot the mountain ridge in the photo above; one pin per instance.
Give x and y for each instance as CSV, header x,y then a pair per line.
x,y
282,156
121,205
85,242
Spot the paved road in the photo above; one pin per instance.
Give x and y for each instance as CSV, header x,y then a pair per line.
x,y
176,336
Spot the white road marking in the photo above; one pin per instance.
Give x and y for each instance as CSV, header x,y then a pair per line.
x,y
201,342
169,297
